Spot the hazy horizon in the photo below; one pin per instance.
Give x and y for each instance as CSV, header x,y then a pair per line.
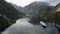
x,y
24,3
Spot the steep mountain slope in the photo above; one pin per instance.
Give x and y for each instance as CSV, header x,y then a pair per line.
x,y
31,7
8,15
15,6
55,13
54,16
40,10
8,10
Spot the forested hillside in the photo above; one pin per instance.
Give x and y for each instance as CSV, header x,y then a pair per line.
x,y
8,15
54,14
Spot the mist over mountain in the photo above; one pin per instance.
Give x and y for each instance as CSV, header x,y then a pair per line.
x,y
31,7
15,6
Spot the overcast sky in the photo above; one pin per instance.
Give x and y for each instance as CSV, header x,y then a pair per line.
x,y
26,2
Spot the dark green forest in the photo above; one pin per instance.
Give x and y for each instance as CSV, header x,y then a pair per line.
x,y
8,15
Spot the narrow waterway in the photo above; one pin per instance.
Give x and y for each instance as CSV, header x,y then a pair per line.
x,y
22,26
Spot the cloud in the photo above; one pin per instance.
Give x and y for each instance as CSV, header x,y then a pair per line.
x,y
26,2
53,2
21,2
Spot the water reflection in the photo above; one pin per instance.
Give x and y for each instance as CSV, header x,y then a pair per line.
x,y
22,26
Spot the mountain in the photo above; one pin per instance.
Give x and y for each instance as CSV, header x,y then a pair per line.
x,y
38,10
54,16
8,10
55,13
31,7
8,15
15,6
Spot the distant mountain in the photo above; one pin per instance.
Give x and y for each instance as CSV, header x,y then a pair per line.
x,y
15,6
30,8
38,10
